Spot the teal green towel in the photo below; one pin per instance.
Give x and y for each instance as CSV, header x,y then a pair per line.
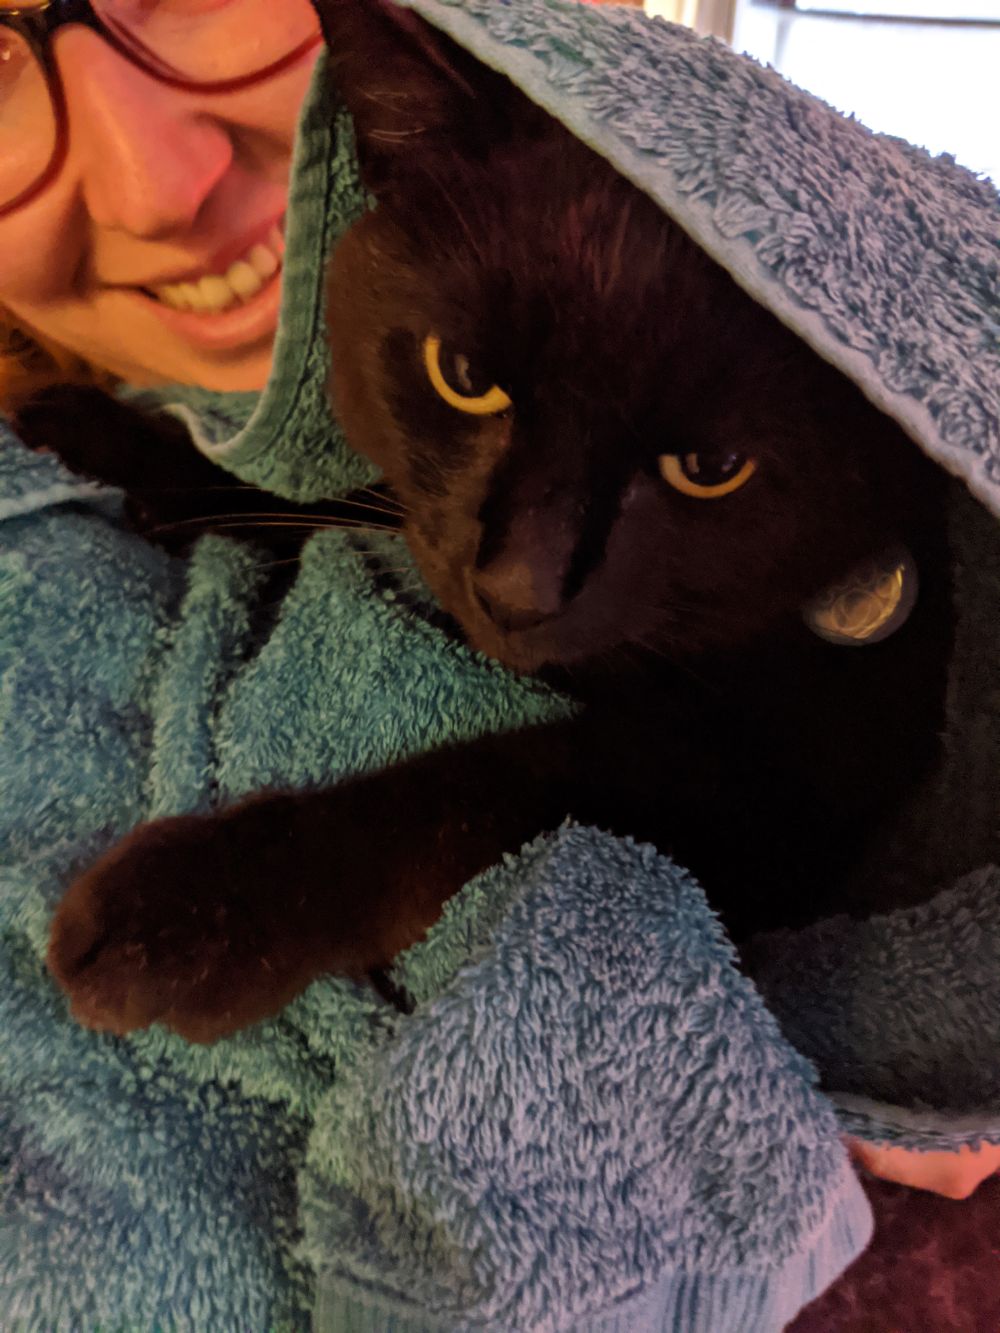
x,y
593,1120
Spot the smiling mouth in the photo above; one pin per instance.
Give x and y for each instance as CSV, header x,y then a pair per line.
x,y
242,281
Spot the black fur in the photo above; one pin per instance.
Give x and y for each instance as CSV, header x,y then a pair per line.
x,y
712,722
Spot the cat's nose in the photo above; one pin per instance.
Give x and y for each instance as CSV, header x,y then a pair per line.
x,y
517,596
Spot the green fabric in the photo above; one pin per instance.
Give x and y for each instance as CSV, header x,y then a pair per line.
x,y
286,440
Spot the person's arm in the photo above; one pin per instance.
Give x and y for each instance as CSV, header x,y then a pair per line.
x,y
953,1174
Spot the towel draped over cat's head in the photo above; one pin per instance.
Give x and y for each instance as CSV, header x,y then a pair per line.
x,y
602,442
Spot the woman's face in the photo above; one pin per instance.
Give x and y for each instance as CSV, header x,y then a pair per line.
x,y
161,188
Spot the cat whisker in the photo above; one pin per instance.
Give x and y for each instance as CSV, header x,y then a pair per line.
x,y
320,517
678,665
375,555
376,504
274,521
383,497
371,508
375,501
199,527
326,525
329,521
371,554
183,490
310,519
647,645
277,564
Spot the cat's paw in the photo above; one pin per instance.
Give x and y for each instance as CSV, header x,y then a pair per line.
x,y
177,924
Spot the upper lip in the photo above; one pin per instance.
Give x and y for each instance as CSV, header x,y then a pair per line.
x,y
217,262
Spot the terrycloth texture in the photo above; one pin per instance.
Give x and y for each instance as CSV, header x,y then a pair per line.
x,y
591,1121
884,260
566,1138
186,1157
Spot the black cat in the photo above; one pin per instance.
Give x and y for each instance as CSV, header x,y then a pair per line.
x,y
617,471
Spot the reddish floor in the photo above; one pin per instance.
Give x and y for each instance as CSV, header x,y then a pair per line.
x,y
933,1267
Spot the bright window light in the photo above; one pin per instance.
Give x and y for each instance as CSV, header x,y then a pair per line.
x,y
981,10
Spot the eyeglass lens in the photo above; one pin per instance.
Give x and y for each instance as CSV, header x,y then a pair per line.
x,y
196,41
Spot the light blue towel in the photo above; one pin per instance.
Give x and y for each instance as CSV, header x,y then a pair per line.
x,y
593,1120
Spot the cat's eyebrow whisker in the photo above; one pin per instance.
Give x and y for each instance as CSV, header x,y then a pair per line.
x,y
612,254
396,136
628,426
386,96
470,235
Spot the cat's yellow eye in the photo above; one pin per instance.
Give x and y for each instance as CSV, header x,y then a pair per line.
x,y
488,404
705,478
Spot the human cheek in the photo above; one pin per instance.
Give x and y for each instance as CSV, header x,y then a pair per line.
x,y
42,252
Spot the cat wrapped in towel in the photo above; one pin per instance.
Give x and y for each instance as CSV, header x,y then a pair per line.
x,y
650,773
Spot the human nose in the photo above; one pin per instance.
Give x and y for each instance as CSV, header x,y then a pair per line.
x,y
146,155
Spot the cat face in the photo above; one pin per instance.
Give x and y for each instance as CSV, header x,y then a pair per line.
x,y
602,443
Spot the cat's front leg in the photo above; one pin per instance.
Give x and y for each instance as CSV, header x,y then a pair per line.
x,y
211,923
200,922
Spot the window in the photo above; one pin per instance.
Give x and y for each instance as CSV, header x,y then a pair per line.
x,y
923,69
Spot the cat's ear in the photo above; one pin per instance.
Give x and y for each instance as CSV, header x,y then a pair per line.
x,y
412,92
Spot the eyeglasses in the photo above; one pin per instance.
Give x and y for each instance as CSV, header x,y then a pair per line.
x,y
211,46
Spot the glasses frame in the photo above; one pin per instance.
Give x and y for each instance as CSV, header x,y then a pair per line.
x,y
37,23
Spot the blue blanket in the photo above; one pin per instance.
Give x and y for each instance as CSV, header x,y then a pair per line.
x,y
593,1120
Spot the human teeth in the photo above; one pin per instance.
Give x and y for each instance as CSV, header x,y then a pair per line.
x,y
191,296
241,281
264,260
216,293
244,279
175,295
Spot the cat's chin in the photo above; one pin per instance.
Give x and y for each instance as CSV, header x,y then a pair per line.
x,y
531,651
571,640
516,652
525,652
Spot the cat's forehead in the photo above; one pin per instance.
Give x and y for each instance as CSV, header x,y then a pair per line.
x,y
545,214
548,262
